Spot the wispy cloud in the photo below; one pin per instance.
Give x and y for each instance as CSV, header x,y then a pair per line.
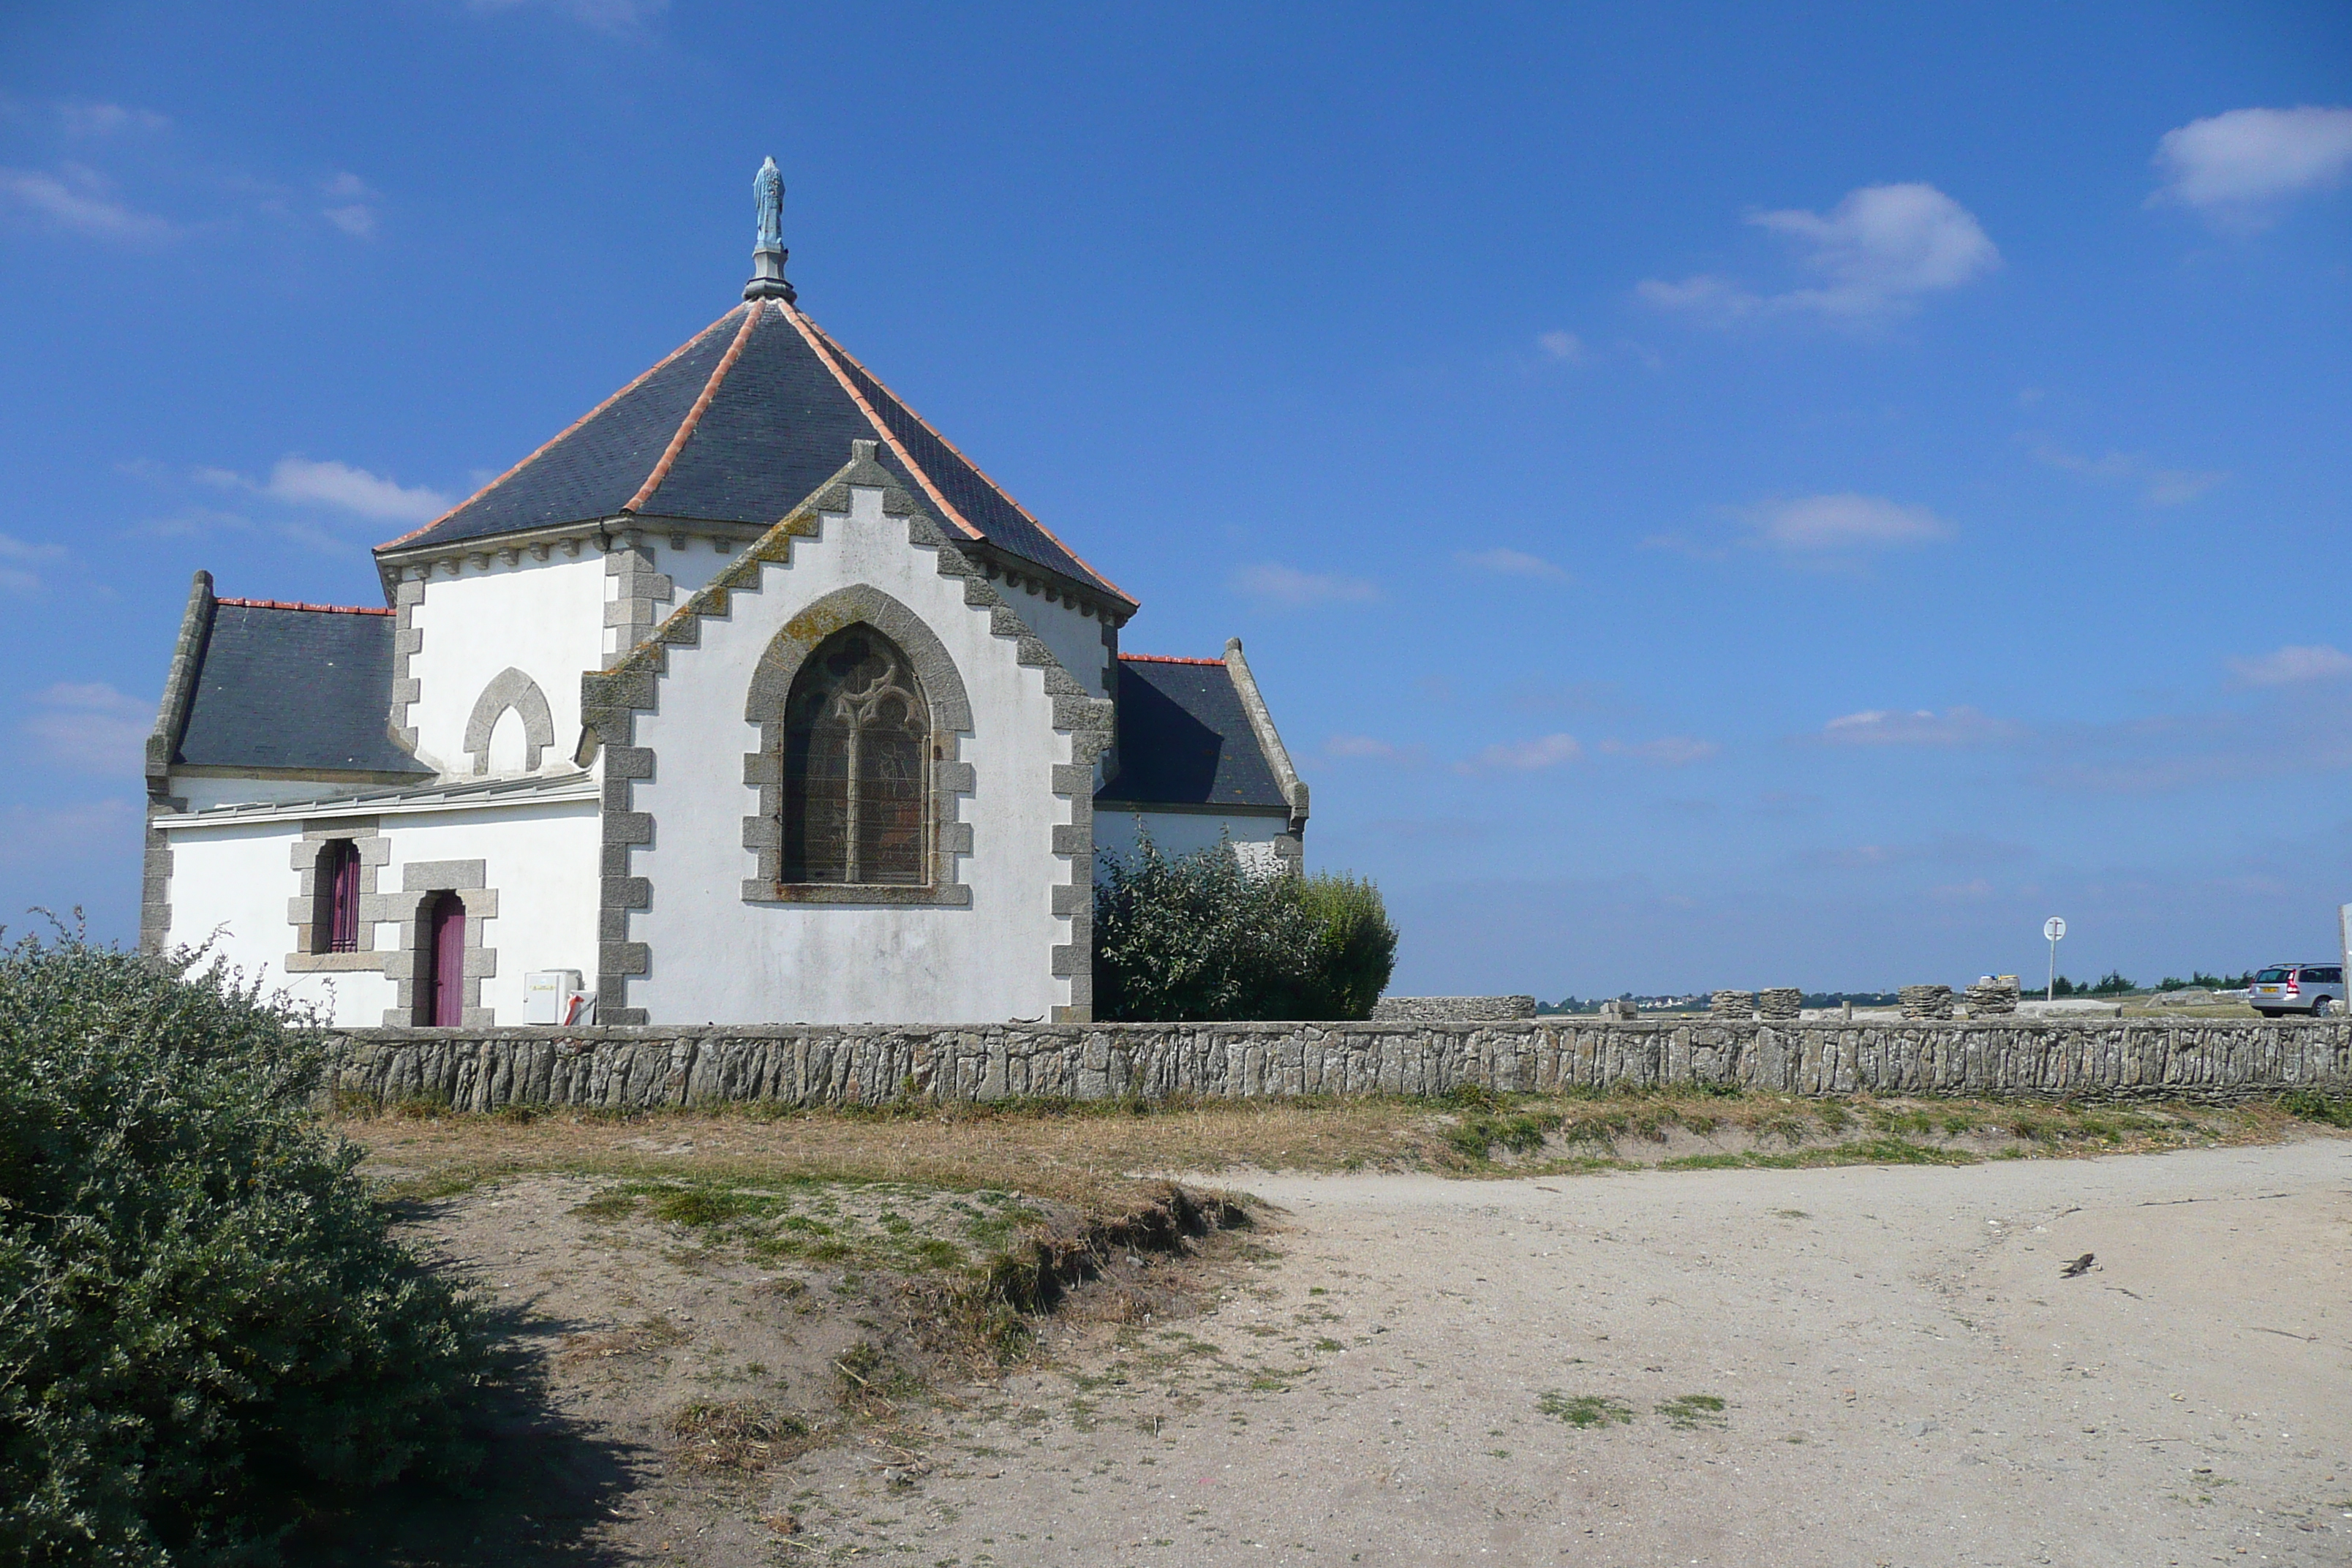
x,y
93,119
1667,752
2156,486
352,209
19,557
1845,522
618,17
2293,666
1280,585
1524,756
1920,727
1878,252
2237,168
298,482
1565,347
1371,748
79,200
91,727
1504,562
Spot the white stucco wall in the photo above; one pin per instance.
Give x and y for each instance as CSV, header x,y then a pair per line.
x,y
1183,832
238,878
545,618
717,958
1076,639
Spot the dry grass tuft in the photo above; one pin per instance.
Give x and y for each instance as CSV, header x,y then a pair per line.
x,y
741,1436
651,1334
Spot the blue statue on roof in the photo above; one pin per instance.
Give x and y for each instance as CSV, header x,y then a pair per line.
x,y
769,187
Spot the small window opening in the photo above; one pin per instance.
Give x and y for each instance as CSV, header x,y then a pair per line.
x,y
335,914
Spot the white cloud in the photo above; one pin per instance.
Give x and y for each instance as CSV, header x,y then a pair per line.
x,y
80,199
17,576
2292,666
2235,167
1565,347
1879,250
91,727
1667,752
352,213
2157,486
1525,756
1512,563
1845,522
615,16
1920,727
298,482
1287,586
108,119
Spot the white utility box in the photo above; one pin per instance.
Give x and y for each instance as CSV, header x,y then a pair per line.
x,y
548,995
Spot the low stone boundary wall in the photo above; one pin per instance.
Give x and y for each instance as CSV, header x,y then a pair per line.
x,y
647,1067
1452,1009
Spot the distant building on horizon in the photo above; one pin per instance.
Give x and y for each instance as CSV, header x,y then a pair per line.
x,y
747,697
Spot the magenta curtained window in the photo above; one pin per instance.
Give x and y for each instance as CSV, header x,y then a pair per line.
x,y
335,919
442,996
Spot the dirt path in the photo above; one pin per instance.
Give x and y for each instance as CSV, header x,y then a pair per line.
x,y
1904,1378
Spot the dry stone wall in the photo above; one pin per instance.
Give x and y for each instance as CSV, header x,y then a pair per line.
x,y
650,1067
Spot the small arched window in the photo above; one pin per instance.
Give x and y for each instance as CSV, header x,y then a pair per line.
x,y
856,748
335,909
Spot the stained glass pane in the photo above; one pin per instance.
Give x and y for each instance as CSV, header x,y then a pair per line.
x,y
855,743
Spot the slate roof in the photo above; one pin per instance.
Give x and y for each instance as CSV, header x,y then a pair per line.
x,y
1185,740
740,424
293,686
578,785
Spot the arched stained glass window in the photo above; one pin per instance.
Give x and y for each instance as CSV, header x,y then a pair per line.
x,y
856,748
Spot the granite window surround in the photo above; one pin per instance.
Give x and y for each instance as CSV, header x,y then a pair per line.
x,y
764,770
421,881
511,689
308,857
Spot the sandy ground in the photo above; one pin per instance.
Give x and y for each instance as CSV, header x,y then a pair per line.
x,y
1905,1379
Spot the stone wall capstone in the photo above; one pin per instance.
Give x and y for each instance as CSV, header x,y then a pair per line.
x,y
1452,1009
650,1066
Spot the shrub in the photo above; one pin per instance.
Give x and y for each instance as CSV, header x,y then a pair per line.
x,y
205,1328
1199,937
1355,946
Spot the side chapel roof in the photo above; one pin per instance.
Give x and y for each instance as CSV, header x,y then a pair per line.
x,y
289,686
740,424
1185,739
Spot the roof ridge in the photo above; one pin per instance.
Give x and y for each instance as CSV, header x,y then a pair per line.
x,y
300,605
1167,659
967,462
557,439
694,414
811,334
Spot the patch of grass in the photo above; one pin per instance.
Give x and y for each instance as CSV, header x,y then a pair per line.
x,y
1586,1410
1694,1413
1862,1152
613,1203
2309,1105
1791,1214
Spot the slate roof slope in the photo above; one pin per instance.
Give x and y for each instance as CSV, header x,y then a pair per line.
x,y
294,687
740,424
1184,739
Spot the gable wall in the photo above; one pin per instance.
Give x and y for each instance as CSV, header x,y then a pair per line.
x,y
545,618
712,954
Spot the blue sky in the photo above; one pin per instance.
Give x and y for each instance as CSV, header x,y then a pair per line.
x,y
1716,495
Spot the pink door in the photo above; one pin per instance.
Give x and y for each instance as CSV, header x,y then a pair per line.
x,y
445,956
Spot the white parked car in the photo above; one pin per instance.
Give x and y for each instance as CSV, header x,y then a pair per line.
x,y
2314,988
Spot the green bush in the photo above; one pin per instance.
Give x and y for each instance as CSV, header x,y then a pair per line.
x,y
1197,937
1355,946
205,1329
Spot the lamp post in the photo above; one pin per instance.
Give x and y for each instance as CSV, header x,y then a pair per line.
x,y
2053,928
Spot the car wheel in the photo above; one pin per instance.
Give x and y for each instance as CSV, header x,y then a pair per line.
x,y
2320,1006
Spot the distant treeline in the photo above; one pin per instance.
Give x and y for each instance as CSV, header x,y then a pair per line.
x,y
2114,983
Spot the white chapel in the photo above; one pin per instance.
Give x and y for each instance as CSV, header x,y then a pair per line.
x,y
747,698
